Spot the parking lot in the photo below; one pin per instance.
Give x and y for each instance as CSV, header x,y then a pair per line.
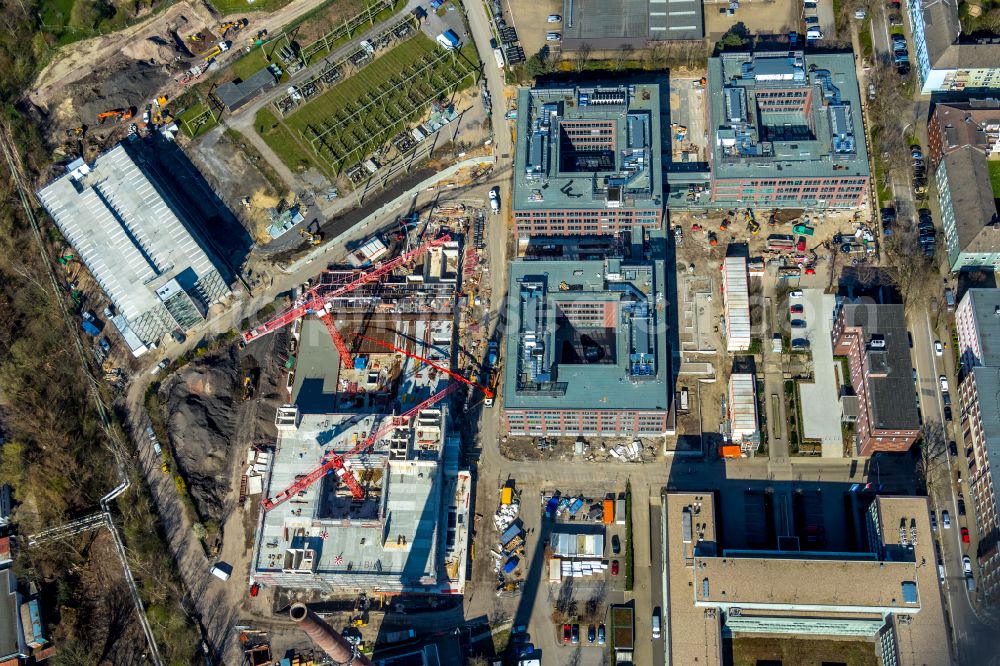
x,y
529,19
761,17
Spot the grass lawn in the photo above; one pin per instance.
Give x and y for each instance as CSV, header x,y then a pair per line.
x,y
189,115
994,167
250,64
282,141
371,77
801,652
234,6
865,39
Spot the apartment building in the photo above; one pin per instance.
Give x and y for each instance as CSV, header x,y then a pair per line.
x,y
977,323
587,160
946,59
873,338
786,131
954,125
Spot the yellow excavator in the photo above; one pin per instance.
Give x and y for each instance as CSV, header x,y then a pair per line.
x,y
314,238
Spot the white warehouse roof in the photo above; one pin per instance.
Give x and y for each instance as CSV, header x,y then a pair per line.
x,y
138,250
736,295
742,406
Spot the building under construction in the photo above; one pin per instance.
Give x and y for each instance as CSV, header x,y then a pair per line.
x,y
400,522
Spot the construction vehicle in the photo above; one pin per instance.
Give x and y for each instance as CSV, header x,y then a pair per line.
x,y
803,229
249,384
76,131
215,50
235,26
117,114
712,239
314,238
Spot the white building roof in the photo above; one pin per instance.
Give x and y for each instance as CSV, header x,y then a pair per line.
x,y
736,295
742,406
125,232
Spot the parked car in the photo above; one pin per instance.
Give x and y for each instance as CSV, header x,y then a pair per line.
x,y
614,567
967,565
953,448
800,344
796,309
812,20
944,383
961,507
567,633
933,522
798,323
795,294
552,36
965,535
576,634
601,635
616,544
946,519
948,415
554,18
938,348
591,634
915,151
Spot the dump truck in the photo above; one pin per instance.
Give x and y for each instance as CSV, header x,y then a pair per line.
x,y
216,50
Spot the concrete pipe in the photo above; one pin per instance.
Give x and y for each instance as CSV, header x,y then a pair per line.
x,y
328,639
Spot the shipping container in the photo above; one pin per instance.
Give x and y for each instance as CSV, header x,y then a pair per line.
x,y
609,511
506,495
620,512
498,56
730,451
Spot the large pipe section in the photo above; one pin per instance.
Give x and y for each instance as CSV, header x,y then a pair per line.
x,y
327,638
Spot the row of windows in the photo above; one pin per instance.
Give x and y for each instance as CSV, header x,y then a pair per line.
x,y
583,216
784,182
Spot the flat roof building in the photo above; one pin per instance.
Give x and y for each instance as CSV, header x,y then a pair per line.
x,y
968,209
145,257
874,339
743,425
885,593
410,533
786,131
736,301
977,323
946,59
237,93
586,348
599,24
587,159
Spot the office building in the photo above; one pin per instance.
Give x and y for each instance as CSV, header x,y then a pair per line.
x,y
977,323
946,59
587,160
785,130
873,337
586,349
126,229
886,595
616,24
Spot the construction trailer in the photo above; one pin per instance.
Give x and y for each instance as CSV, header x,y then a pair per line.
x,y
736,301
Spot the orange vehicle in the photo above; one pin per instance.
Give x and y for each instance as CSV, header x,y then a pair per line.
x,y
119,114
609,511
731,451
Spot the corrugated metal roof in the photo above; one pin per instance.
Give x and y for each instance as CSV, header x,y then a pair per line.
x,y
742,405
736,295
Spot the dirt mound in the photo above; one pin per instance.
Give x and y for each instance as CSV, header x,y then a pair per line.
x,y
153,49
126,83
202,423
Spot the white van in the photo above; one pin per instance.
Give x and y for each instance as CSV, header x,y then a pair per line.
x,y
656,622
814,33
219,572
941,572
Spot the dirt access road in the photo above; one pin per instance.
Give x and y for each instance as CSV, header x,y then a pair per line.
x,y
80,59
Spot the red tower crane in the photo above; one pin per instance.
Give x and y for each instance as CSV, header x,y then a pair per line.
x,y
336,463
316,298
455,375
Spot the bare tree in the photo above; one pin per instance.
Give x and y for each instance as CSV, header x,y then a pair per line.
x,y
622,55
933,450
581,56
